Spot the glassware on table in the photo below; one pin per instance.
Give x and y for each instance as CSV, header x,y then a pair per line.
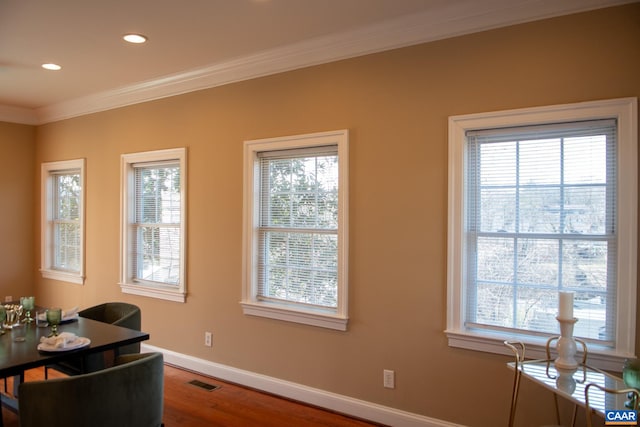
x,y
18,309
12,318
28,304
9,316
41,319
54,317
3,315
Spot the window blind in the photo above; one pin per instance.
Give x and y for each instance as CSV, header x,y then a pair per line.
x,y
541,218
298,226
156,229
65,220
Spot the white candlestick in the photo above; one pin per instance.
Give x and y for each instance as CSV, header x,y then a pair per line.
x,y
566,345
565,305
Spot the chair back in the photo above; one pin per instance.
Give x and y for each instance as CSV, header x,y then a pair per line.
x,y
119,314
129,394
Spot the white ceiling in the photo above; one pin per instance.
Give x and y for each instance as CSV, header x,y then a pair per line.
x,y
195,44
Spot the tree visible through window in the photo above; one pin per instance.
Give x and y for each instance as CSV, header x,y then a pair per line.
x,y
299,229
66,221
63,220
296,229
153,224
541,219
543,200
157,226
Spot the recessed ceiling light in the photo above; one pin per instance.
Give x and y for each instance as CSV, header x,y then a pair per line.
x,y
135,38
52,67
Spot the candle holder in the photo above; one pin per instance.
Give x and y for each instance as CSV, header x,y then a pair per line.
x,y
566,345
565,380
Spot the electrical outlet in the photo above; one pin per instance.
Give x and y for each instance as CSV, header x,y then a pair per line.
x,y
208,339
8,298
388,378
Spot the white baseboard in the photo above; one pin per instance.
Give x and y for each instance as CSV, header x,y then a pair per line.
x,y
313,396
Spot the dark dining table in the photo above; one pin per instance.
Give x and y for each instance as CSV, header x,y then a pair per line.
x,y
18,347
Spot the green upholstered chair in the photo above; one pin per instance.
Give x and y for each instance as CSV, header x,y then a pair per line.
x,y
120,314
128,394
116,313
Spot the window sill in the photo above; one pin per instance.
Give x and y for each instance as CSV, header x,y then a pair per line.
x,y
598,357
63,276
272,311
146,291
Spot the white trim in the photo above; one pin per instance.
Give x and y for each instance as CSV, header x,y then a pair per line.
x,y
62,276
25,116
127,162
597,357
625,110
290,314
146,291
46,214
451,20
299,392
294,313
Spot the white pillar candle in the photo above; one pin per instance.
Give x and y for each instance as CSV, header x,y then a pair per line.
x,y
566,305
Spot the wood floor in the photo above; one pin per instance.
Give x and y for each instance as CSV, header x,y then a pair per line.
x,y
229,405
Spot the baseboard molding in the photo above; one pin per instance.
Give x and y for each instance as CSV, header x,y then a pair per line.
x,y
313,396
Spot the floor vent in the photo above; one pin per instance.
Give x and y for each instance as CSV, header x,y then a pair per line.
x,y
208,387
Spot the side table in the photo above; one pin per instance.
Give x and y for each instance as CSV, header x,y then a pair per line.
x,y
605,391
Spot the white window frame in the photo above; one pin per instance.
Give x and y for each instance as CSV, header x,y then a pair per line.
x,y
48,171
625,111
127,193
332,319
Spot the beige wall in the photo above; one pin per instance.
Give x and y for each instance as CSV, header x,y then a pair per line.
x,y
395,105
17,178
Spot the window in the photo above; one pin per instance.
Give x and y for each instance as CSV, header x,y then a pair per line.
x,y
295,214
62,252
153,224
544,200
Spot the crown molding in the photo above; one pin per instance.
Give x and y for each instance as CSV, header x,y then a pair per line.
x,y
24,116
453,20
